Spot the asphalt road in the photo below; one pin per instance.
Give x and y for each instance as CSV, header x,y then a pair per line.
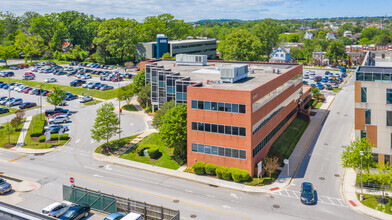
x,y
206,202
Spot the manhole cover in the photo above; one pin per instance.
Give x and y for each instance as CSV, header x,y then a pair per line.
x,y
176,201
326,144
276,206
345,114
321,178
272,197
193,216
32,158
337,175
337,112
343,146
101,166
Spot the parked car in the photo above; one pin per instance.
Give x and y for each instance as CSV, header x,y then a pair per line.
x,y
2,102
320,86
4,110
58,119
14,102
56,126
28,77
115,216
87,84
307,193
327,73
56,110
312,77
328,86
50,80
106,87
69,96
71,73
76,212
324,80
306,76
27,89
96,85
305,82
27,105
84,99
77,82
4,186
88,76
56,209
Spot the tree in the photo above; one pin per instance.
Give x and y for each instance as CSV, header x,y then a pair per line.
x,y
157,121
316,92
308,50
140,80
106,123
296,53
166,55
56,97
8,52
384,177
144,96
240,45
29,45
336,51
126,93
364,41
346,41
351,157
294,37
268,34
271,165
369,33
19,114
173,131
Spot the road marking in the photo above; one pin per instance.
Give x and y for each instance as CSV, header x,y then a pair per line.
x,y
210,196
77,141
96,175
92,141
107,167
352,203
226,206
159,196
6,161
340,202
131,124
233,195
330,200
187,190
17,158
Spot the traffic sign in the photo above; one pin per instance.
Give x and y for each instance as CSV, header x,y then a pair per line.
x,y
71,180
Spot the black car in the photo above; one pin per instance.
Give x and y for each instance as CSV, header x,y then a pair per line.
x,y
76,212
307,193
56,110
27,105
71,73
4,110
69,96
77,82
8,74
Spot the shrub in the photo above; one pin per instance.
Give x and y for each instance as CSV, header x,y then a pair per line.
x,y
36,135
53,137
141,148
239,175
154,153
211,168
41,138
223,173
199,168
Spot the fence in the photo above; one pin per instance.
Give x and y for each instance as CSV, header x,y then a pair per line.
x,y
109,203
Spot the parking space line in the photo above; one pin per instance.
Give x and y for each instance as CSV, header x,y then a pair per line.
x,y
330,200
339,200
295,194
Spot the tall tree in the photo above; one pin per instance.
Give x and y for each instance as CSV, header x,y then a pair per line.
x,y
144,96
8,52
336,51
29,45
57,97
268,34
106,123
126,93
383,175
139,80
271,165
157,120
241,45
351,157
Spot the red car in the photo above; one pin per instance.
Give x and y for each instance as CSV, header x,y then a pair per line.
x,y
29,74
27,90
56,114
116,79
26,66
20,67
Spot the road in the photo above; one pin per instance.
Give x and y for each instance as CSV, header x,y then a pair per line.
x,y
192,199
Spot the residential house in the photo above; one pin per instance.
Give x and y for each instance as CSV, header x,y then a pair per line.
x,y
320,59
308,35
331,36
281,55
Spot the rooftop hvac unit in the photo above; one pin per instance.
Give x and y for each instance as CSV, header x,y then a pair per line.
x,y
191,60
233,73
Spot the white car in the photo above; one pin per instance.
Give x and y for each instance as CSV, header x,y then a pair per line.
x,y
56,209
83,99
16,86
50,80
88,76
312,77
58,119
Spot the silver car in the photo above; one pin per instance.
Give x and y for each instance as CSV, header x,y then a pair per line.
x,y
58,119
4,186
56,209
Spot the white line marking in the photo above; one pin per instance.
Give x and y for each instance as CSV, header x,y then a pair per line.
x,y
187,190
295,194
226,206
210,196
330,200
92,141
107,167
340,202
96,175
77,141
233,195
280,193
288,194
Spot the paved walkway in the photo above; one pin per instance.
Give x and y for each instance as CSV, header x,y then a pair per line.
x,y
22,135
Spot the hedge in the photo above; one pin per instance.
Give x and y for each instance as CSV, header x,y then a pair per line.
x,y
210,169
239,175
223,173
154,153
53,137
141,148
199,168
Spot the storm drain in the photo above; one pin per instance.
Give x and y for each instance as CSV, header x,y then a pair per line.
x,y
176,201
32,158
101,166
193,216
276,206
321,178
212,185
337,175
46,180
325,144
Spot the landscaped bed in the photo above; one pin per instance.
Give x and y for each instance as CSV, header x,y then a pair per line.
x,y
371,202
13,137
153,142
129,107
114,145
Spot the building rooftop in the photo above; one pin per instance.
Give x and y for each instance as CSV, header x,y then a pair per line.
x,y
383,62
210,75
181,41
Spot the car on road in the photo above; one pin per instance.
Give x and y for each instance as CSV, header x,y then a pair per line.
x,y
56,209
50,80
14,102
56,110
77,82
4,186
307,193
27,105
115,216
76,212
58,119
84,99
4,110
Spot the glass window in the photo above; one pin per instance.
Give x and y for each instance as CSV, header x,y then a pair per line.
x,y
194,104
389,118
184,96
227,152
375,157
207,105
214,106
207,149
389,96
194,126
368,117
234,153
200,148
221,106
242,154
242,132
363,134
385,77
221,129
368,77
234,130
194,147
242,109
200,126
387,159
227,107
234,108
228,130
221,151
214,128
207,127
376,77
360,76
363,94
200,105
214,150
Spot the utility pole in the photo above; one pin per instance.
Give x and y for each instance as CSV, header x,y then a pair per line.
x,y
40,100
119,102
9,100
361,196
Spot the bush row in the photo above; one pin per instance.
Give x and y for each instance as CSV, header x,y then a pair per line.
x,y
153,151
238,175
53,137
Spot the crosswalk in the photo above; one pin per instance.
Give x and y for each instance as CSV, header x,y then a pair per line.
x,y
320,199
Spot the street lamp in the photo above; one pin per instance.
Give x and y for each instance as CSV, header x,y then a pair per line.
x,y
361,196
119,102
9,100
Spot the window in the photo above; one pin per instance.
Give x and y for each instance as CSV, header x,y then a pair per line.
x,y
221,106
360,76
200,104
194,126
389,118
234,130
234,153
227,107
194,147
207,149
242,132
194,104
242,154
375,157
221,129
200,148
242,109
389,96
214,150
227,152
207,105
368,77
214,106
363,134
385,77
214,128
376,77
200,126
207,127
234,108
368,120
363,94
221,151
387,159
228,130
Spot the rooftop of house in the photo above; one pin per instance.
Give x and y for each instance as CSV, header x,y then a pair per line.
x,y
182,41
209,76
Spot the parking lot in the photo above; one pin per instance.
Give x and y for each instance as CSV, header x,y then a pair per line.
x,y
309,77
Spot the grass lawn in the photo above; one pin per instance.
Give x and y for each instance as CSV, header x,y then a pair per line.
x,y
36,127
336,90
129,107
371,202
319,104
12,110
108,94
117,144
153,140
286,142
14,135
92,102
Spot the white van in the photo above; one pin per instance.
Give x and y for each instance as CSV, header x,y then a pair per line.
x,y
132,216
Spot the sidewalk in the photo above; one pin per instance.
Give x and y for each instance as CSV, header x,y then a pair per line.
x,y
280,184
348,191
23,132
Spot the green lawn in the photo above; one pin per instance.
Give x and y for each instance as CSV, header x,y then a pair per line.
x,y
12,110
92,102
14,135
36,127
286,142
108,94
153,140
129,107
371,202
116,144
319,104
336,90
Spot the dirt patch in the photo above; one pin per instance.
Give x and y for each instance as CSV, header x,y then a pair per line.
x,y
11,145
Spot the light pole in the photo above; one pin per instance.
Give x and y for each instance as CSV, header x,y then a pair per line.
x,y
361,196
119,102
9,101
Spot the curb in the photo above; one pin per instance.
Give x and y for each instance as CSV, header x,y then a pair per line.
x,y
49,150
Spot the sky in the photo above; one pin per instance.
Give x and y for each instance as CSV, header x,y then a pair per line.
x,y
190,11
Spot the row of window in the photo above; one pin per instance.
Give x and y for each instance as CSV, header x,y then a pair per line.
x,y
219,106
219,151
220,129
265,141
364,95
376,77
263,123
368,117
387,158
